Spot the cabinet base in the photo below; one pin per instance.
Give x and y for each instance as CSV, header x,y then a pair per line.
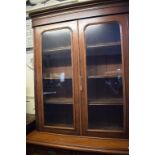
x,y
78,143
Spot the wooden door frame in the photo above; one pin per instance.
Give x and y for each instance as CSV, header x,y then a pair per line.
x,y
122,20
38,77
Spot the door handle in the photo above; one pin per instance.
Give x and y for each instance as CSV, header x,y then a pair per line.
x,y
81,80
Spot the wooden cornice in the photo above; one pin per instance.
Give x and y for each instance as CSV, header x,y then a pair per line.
x,y
70,6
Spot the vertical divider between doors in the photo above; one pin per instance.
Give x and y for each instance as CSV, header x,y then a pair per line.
x,y
83,69
80,82
75,55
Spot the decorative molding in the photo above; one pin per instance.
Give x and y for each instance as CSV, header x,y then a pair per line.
x,y
47,3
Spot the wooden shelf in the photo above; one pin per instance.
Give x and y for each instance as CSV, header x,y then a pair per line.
x,y
49,93
102,76
60,125
57,50
60,49
99,126
58,100
102,101
56,72
103,71
106,75
56,78
104,44
78,143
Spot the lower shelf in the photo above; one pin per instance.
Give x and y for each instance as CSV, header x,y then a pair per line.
x,y
99,126
78,143
60,125
51,100
104,101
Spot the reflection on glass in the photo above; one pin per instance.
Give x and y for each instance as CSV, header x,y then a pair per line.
x,y
56,39
57,78
104,76
102,33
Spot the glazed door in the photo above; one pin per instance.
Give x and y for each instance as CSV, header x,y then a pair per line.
x,y
104,74
56,77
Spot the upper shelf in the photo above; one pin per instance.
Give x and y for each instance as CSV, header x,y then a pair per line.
x,y
57,78
57,50
104,44
109,74
67,48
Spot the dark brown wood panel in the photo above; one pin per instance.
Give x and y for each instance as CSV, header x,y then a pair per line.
x,y
43,150
40,150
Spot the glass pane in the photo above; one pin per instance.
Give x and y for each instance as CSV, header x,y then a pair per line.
x,y
56,39
102,33
106,117
104,76
57,114
57,78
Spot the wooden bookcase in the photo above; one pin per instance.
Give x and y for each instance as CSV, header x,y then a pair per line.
x,y
81,75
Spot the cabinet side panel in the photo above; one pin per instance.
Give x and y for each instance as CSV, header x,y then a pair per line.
x,y
38,81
